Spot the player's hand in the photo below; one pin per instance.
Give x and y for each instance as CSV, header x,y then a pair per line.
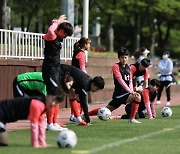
x,y
135,94
61,18
89,124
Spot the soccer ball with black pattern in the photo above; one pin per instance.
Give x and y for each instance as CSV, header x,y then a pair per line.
x,y
104,114
166,112
67,139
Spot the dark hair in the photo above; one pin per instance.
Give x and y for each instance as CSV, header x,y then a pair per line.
x,y
59,93
166,53
67,27
99,82
66,78
79,44
123,52
155,82
142,49
145,62
139,52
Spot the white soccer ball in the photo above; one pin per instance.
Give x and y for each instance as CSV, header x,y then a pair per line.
x,y
166,111
104,113
67,139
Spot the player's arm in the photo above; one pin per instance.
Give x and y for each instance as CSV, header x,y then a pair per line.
x,y
145,95
146,75
51,35
131,82
82,61
118,76
161,66
132,71
83,102
153,109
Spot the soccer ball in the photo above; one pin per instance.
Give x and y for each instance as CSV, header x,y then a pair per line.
x,y
67,139
104,113
166,112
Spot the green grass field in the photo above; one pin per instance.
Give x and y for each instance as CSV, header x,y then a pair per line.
x,y
159,136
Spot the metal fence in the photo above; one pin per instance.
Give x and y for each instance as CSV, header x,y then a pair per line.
x,y
26,45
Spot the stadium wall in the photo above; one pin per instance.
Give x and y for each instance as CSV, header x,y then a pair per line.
x,y
10,68
96,66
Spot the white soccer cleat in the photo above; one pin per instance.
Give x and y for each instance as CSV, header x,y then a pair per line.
x,y
52,127
157,102
134,121
59,127
168,103
55,127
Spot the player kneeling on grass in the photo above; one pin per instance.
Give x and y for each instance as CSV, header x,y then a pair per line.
x,y
32,108
148,96
123,91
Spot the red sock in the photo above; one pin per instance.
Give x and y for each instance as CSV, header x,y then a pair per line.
x,y
94,112
72,111
50,115
80,109
56,113
75,108
134,108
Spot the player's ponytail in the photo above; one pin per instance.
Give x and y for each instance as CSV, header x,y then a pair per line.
x,y
81,43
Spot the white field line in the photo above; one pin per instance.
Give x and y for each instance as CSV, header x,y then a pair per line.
x,y
121,142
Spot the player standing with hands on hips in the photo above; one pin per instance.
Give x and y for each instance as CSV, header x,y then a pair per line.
x,y
51,72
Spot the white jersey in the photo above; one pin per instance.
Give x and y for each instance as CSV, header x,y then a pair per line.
x,y
165,67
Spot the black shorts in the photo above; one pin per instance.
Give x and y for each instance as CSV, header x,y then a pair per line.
x,y
117,101
52,79
2,127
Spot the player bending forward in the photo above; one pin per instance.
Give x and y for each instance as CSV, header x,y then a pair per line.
x,y
123,91
32,108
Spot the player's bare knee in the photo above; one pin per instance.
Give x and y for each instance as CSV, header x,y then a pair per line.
x,y
138,98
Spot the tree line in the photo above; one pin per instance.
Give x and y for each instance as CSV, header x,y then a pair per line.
x,y
130,23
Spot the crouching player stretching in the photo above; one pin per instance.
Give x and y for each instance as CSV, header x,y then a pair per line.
x,y
148,97
123,91
32,108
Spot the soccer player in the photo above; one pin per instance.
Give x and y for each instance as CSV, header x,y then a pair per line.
x,y
59,30
140,69
142,53
123,91
32,108
32,84
79,61
79,56
51,74
148,97
82,84
165,67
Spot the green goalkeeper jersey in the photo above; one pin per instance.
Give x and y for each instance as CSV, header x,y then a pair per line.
x,y
32,81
